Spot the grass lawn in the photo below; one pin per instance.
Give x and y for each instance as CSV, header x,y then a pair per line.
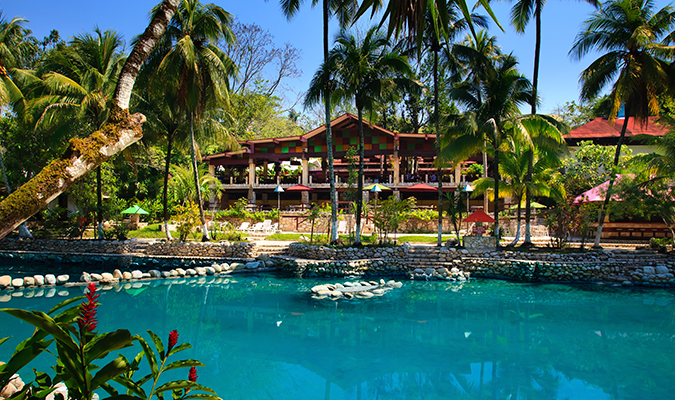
x,y
366,238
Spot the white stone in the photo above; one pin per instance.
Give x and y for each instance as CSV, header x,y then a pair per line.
x,y
107,277
61,279
17,282
155,273
210,270
180,271
166,274
126,275
96,277
117,274
5,281
136,274
200,271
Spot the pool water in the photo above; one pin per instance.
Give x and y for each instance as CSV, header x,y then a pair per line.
x,y
263,337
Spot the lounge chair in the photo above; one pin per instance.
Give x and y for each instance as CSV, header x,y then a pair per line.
x,y
256,228
267,224
342,227
244,227
274,228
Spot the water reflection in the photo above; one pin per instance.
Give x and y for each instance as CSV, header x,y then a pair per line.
x,y
264,337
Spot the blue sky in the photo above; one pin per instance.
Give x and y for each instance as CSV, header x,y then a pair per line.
x,y
558,77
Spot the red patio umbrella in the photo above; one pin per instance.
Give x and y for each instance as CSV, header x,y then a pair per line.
x,y
479,216
299,188
421,187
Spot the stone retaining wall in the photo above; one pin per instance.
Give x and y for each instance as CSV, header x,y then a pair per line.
x,y
208,249
67,246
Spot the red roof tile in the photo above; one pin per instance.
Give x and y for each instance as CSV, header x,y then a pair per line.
x,y
600,128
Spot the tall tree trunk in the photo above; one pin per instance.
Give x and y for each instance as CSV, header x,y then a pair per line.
x,y
438,151
195,176
165,199
359,185
608,195
329,134
99,204
496,207
83,155
515,241
530,160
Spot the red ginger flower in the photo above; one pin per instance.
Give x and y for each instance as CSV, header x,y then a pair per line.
x,y
173,339
192,376
87,318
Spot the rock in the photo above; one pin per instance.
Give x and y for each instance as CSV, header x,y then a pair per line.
x,y
190,272
210,270
662,269
126,275
180,271
155,273
85,277
107,277
136,274
5,281
648,270
50,279
29,281
263,257
417,271
252,265
146,275
62,279
39,280
429,271
167,274
17,283
117,274
50,292
96,277
4,298
201,271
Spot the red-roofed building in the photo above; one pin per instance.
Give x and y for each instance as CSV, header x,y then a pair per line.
x,y
600,131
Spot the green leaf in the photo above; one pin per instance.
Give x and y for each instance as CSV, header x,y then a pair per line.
x,y
202,396
25,352
131,386
123,397
69,359
105,343
158,344
137,361
109,389
43,321
173,385
65,303
114,368
183,364
3,340
150,355
180,347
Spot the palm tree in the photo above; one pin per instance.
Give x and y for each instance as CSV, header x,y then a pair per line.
x,y
491,101
14,52
514,168
343,10
629,32
81,157
194,70
80,87
365,70
521,13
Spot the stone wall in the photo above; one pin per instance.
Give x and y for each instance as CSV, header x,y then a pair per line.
x,y
68,246
208,249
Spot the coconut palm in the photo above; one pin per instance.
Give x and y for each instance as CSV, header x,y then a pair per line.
x,y
79,89
15,50
521,13
629,34
491,101
514,169
365,70
343,10
193,70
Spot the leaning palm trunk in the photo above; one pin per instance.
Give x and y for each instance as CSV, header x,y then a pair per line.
x,y
83,155
165,200
515,241
608,195
195,176
359,185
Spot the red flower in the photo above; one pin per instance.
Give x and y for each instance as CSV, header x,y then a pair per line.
x,y
87,318
192,376
173,339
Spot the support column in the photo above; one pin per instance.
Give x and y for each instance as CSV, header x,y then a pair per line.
x,y
305,170
458,174
251,180
397,168
212,170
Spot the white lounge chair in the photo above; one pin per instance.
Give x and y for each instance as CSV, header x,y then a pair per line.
x,y
342,227
256,228
244,226
274,228
267,224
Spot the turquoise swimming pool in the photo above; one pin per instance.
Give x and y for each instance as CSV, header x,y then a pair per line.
x,y
263,337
